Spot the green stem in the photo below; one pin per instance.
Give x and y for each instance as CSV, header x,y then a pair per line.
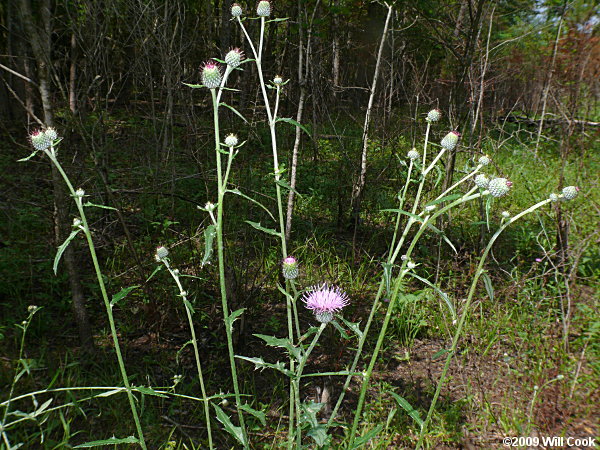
x,y
108,306
297,383
219,230
183,295
466,311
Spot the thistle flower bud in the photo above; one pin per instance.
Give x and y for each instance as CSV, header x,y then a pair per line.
x,y
485,160
413,154
505,214
553,197
570,192
429,208
51,134
76,222
499,187
231,140
161,253
211,75
482,181
290,268
263,8
278,80
236,10
31,309
209,207
434,115
450,140
411,265
234,57
404,257
39,140
79,193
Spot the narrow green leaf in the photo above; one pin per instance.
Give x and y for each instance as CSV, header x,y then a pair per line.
x,y
189,306
42,408
363,440
194,86
209,235
122,294
355,327
412,412
258,226
284,184
99,206
279,19
447,198
281,343
234,110
387,276
442,235
261,364
236,432
158,269
111,441
258,414
150,391
440,353
63,247
29,157
319,434
338,327
418,219
237,192
293,122
439,291
233,317
487,281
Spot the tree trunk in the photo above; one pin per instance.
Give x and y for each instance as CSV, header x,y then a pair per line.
x,y
41,47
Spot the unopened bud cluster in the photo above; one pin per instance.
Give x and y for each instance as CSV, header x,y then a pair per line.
x,y
450,140
290,268
211,75
434,115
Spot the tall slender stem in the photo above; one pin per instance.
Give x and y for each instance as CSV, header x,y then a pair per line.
x,y
466,312
183,295
297,383
220,255
107,304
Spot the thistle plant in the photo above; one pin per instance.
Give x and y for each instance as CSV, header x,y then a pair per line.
x,y
46,142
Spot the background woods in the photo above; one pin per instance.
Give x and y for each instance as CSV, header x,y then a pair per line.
x,y
519,80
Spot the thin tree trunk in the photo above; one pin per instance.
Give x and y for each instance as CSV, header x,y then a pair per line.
x,y
549,82
303,72
358,187
41,46
72,75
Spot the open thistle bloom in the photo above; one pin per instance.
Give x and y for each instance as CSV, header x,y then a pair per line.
x,y
499,187
289,267
211,75
263,9
434,115
39,140
234,57
325,301
450,140
570,192
236,10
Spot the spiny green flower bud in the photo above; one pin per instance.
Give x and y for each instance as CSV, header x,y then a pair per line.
x,y
161,253
505,214
236,10
211,75
485,160
278,80
482,181
450,140
411,265
264,8
39,140
51,134
31,309
234,57
499,187
231,140
413,154
76,222
434,115
79,193
209,207
553,197
570,192
290,268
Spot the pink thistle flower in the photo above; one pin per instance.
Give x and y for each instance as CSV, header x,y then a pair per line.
x,y
325,301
